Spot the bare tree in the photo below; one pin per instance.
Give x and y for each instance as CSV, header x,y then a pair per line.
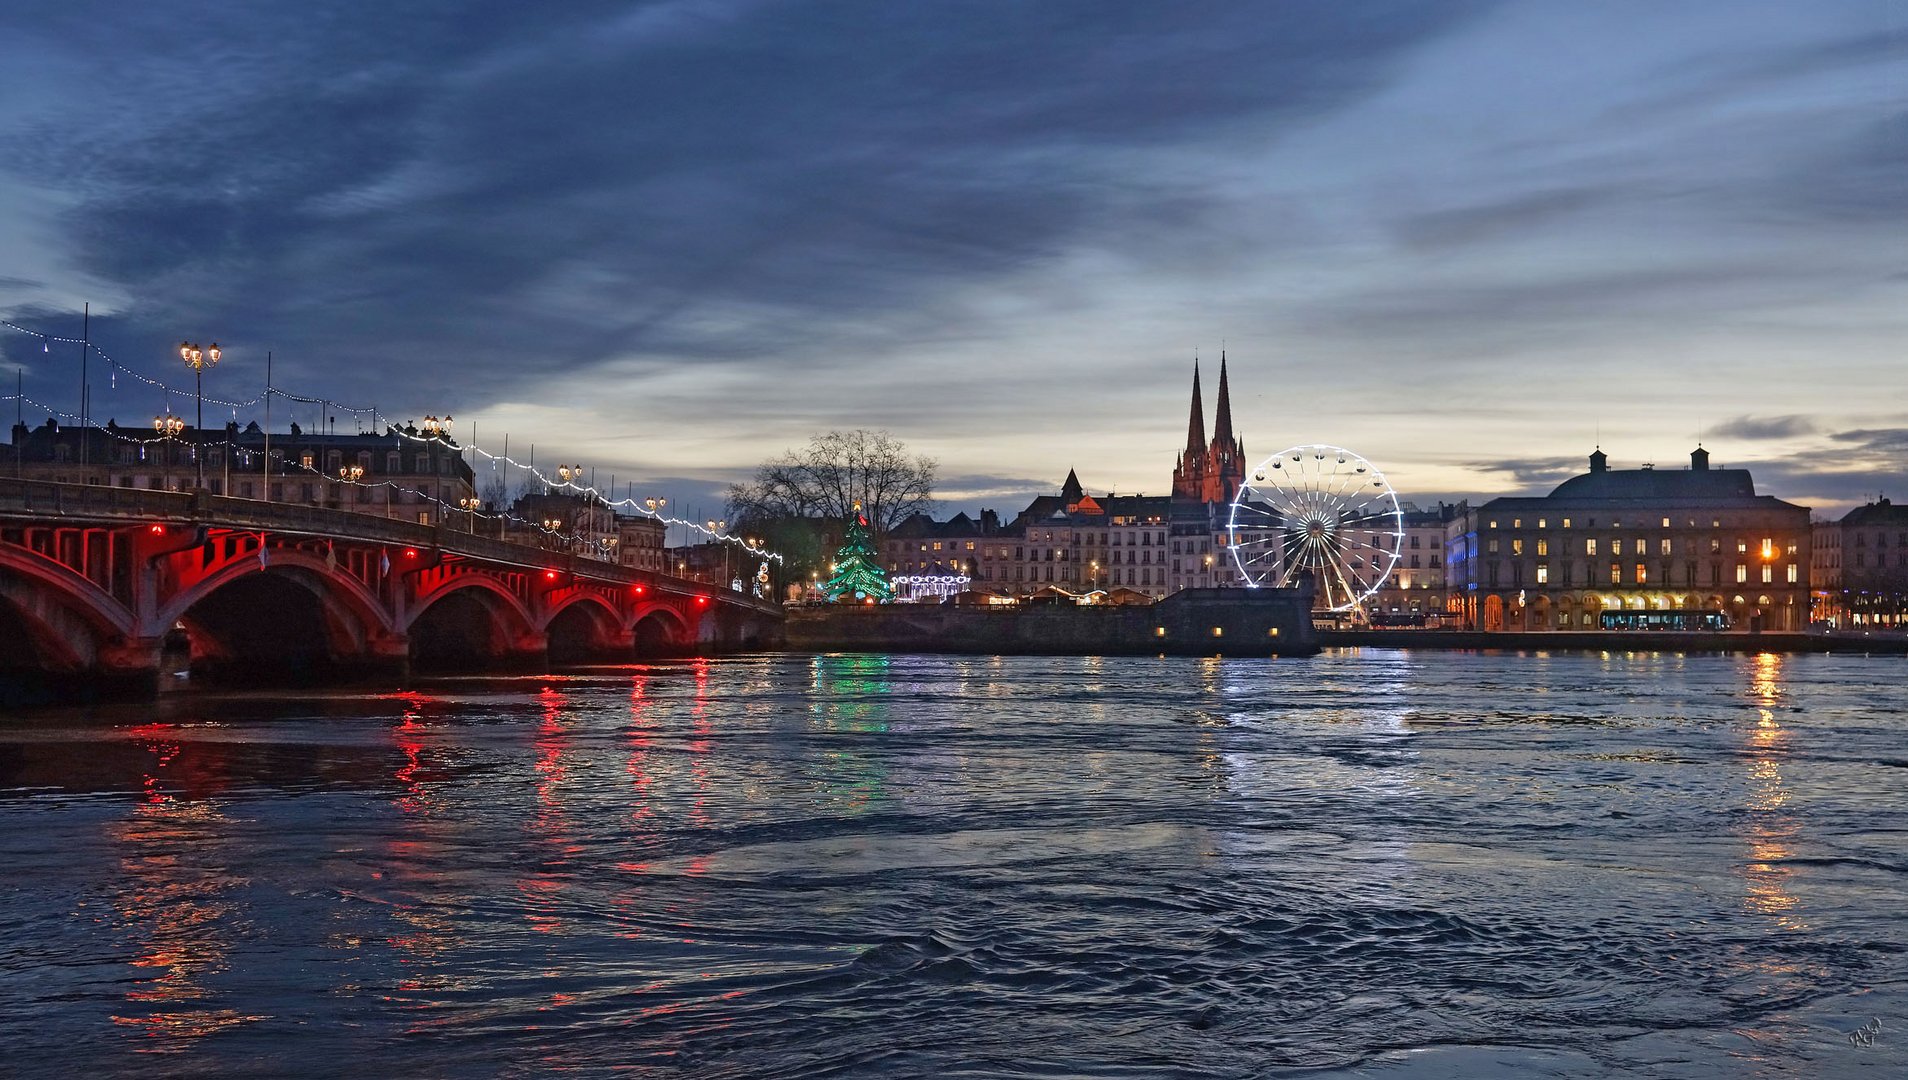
x,y
825,478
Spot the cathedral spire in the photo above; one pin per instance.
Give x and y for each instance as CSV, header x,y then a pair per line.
x,y
1222,415
1196,428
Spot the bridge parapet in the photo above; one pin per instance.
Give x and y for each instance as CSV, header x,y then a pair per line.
x,y
44,500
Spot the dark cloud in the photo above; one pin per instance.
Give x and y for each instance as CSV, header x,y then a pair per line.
x,y
469,185
1763,427
710,218
1874,441
1459,226
1531,474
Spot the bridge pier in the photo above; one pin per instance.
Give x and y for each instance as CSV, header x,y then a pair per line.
x,y
125,670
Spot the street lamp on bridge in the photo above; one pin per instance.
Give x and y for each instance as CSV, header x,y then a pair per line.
x,y
437,431
198,360
470,503
168,426
349,474
716,526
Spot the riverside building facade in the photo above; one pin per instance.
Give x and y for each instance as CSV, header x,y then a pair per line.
x,y
1859,571
1635,549
394,474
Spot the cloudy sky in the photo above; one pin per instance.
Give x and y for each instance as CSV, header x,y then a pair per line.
x,y
1468,240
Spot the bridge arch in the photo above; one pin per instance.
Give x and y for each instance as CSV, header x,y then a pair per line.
x,y
62,617
660,630
295,615
471,617
585,624
55,620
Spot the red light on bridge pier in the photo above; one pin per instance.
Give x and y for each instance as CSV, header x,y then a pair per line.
x,y
702,599
549,575
639,590
410,553
158,529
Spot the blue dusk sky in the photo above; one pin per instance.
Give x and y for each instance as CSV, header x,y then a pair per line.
x,y
1467,240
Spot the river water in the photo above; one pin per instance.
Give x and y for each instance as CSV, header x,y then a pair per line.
x,y
1369,863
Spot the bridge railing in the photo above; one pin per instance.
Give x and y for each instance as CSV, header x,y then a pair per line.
x,y
39,498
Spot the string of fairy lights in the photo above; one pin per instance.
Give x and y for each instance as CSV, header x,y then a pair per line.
x,y
572,485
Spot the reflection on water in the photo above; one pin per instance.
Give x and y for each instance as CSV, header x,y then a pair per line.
x,y
870,865
850,697
173,904
1771,831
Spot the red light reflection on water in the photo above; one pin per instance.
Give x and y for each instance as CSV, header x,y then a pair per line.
x,y
408,736
701,728
551,824
174,903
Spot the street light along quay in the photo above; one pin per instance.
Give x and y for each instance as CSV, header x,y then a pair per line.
x,y
470,504
198,360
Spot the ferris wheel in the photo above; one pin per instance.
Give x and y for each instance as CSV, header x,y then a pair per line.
x,y
1321,511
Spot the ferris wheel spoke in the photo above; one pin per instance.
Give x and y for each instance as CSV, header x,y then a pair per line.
x,y
1321,512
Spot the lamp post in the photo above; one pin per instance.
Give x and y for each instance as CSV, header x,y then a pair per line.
x,y
198,360
656,507
716,527
550,525
350,474
470,504
168,426
437,431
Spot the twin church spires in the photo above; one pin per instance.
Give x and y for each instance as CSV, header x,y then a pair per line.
x,y
1210,472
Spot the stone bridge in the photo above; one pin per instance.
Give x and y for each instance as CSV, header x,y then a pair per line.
x,y
96,582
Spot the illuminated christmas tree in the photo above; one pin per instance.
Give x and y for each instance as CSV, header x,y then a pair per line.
x,y
857,579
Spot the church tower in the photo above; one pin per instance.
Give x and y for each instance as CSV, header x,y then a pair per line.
x,y
1189,473
1225,458
1210,472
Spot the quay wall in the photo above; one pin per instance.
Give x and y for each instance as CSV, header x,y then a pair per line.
x,y
1192,622
1613,641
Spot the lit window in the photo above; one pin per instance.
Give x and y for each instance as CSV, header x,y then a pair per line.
x,y
1517,523
1791,573
1616,546
1590,546
1543,574
1566,523
1517,546
1543,547
1542,524
1642,574
1666,523
1768,575
1666,545
1616,573
1742,573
